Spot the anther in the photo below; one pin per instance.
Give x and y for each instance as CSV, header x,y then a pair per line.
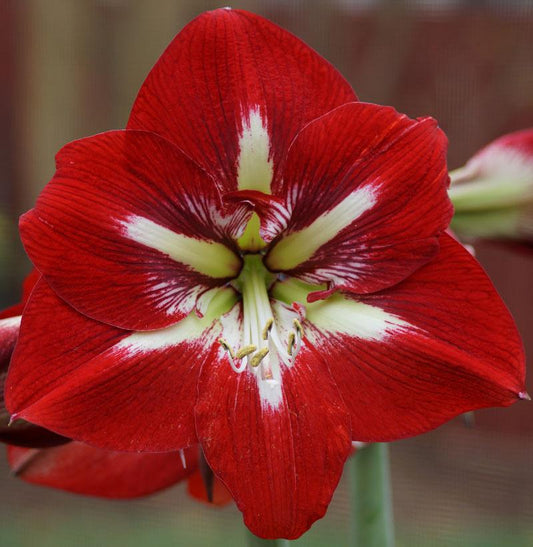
x,y
290,343
244,351
258,357
267,328
298,327
226,346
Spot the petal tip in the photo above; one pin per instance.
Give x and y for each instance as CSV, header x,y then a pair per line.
x,y
524,395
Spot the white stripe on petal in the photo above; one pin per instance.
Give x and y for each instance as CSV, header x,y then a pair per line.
x,y
338,314
189,329
255,168
206,257
299,246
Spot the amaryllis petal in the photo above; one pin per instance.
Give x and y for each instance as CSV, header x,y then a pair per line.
x,y
366,188
130,232
281,460
83,469
19,432
106,386
408,358
232,90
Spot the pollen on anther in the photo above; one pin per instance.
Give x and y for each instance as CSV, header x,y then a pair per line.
x,y
244,351
298,327
290,343
267,328
258,357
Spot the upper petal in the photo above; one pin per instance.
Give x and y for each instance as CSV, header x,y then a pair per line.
x,y
232,90
112,388
366,190
84,469
130,232
408,358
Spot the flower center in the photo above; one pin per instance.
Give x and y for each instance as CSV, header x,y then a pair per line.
x,y
268,339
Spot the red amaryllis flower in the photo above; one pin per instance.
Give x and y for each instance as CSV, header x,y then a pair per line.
x,y
493,192
40,456
257,264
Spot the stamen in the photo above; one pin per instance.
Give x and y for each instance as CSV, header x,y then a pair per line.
x,y
290,343
226,346
297,348
244,351
255,361
299,335
231,356
267,328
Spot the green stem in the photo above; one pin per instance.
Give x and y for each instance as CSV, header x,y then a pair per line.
x,y
371,497
254,541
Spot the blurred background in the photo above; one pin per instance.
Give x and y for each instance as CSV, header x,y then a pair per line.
x,y
72,68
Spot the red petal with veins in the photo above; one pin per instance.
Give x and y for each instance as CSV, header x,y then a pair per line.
x,y
448,345
366,188
19,432
106,386
83,469
224,72
281,464
130,232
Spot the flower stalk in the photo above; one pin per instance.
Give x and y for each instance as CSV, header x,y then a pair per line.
x,y
371,497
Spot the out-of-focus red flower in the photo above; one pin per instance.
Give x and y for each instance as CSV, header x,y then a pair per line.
x,y
257,265
493,193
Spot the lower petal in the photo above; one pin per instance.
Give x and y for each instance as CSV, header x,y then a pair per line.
x,y
281,463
